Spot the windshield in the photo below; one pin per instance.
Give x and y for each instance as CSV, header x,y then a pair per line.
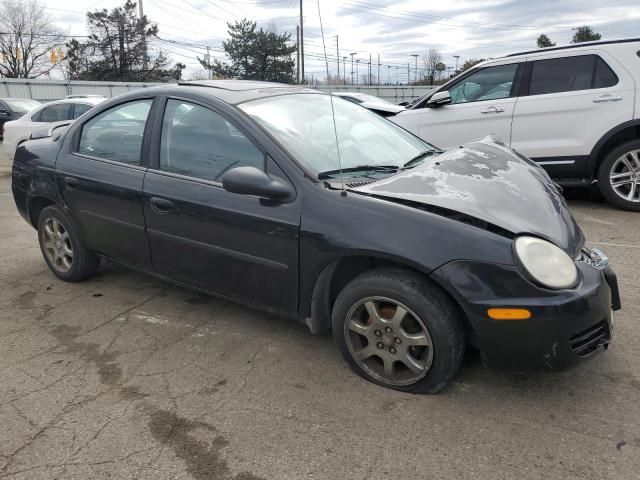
x,y
22,105
303,124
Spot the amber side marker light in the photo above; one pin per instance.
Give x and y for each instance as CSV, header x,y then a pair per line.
x,y
509,313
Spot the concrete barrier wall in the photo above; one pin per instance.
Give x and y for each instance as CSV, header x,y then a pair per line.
x,y
46,90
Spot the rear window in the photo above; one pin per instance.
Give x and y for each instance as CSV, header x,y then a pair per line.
x,y
569,74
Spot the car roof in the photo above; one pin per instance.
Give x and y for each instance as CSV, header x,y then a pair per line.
x,y
238,91
575,45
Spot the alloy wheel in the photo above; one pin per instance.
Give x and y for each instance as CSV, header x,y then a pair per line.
x,y
57,245
388,341
624,176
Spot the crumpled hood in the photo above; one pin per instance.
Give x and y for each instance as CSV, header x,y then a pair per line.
x,y
489,181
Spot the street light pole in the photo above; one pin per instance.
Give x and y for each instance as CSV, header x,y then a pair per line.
x,y
357,72
352,54
415,57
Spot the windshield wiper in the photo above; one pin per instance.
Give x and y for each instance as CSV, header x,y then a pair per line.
x,y
360,168
420,158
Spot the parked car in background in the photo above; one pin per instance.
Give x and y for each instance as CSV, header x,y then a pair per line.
x,y
14,108
406,253
375,104
19,131
573,109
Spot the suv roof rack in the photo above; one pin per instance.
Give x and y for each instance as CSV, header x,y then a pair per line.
x,y
576,45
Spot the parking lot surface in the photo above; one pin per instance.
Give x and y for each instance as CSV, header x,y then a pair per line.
x,y
124,376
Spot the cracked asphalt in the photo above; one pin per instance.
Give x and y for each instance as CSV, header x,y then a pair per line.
x,y
126,377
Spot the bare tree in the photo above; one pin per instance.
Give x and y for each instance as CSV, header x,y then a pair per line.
x,y
432,59
28,35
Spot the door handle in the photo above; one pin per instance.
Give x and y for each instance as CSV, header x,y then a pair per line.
x,y
492,109
607,98
71,182
161,205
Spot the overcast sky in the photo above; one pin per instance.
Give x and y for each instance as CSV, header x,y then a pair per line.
x,y
395,29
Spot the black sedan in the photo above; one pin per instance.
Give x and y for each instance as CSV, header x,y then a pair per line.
x,y
309,206
13,108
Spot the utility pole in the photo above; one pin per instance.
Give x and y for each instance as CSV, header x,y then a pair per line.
x,y
396,75
338,57
352,54
357,71
298,52
145,65
408,73
415,57
208,59
370,69
378,69
389,74
344,69
301,43
456,57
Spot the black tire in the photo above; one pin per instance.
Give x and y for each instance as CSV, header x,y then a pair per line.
x,y
84,262
604,180
434,309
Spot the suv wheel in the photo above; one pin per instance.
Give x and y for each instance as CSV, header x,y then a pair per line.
x,y
619,176
397,329
62,248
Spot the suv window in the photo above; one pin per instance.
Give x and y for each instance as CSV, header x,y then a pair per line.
x,y
199,143
116,134
53,113
81,108
489,83
569,74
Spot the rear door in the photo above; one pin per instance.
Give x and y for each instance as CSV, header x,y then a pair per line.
x,y
568,102
100,173
239,246
481,104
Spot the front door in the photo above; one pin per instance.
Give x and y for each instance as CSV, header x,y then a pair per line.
x,y
481,104
100,172
239,246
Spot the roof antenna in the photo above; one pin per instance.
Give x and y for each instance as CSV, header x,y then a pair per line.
x,y
333,112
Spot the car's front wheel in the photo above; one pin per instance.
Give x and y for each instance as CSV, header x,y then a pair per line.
x,y
397,329
62,248
619,176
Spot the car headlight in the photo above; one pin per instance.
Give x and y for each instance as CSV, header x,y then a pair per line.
x,y
546,263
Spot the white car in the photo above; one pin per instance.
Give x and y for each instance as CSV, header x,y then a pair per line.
x,y
573,109
375,104
46,116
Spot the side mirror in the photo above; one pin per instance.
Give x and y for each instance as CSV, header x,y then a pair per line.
x,y
252,181
49,131
438,99
4,111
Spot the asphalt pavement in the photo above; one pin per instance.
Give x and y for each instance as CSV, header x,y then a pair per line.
x,y
126,377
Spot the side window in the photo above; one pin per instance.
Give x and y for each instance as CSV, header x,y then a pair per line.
x,y
604,77
53,113
489,83
116,134
81,108
569,74
199,143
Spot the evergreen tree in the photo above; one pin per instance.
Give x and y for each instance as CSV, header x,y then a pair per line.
x,y
254,54
118,49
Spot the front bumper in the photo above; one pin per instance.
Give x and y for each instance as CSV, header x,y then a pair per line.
x,y
566,326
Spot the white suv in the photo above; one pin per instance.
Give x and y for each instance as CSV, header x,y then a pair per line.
x,y
575,110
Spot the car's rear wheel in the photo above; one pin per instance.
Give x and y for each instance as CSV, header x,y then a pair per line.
x,y
397,329
619,176
62,248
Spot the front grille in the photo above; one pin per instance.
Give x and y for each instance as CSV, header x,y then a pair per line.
x,y
591,339
593,257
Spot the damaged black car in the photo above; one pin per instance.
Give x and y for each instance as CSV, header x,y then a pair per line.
x,y
311,207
